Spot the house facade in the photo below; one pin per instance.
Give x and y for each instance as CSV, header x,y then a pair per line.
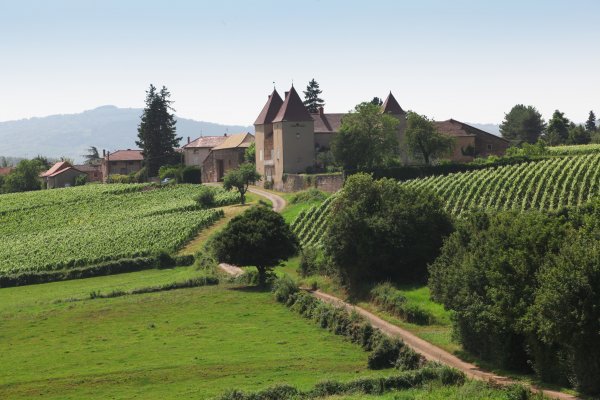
x,y
288,137
60,175
196,151
122,162
228,155
93,172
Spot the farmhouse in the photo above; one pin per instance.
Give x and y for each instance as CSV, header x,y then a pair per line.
x,y
216,155
62,174
93,172
123,162
289,138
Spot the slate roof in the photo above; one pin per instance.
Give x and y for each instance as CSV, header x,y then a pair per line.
x,y
239,140
328,123
390,105
270,110
456,128
205,142
293,109
126,155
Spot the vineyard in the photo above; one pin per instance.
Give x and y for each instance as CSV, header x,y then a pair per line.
x,y
547,185
572,150
63,228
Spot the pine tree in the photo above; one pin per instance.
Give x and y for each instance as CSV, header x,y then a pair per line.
x,y
590,124
312,101
156,132
377,101
522,124
558,129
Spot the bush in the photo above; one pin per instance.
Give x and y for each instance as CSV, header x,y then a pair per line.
x,y
118,178
206,198
191,175
379,230
80,180
141,176
389,298
308,196
283,288
171,172
385,354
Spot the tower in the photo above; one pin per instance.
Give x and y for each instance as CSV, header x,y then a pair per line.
x,y
391,106
264,136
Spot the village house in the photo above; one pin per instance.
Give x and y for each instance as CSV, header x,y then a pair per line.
x,y
289,138
93,171
62,174
196,151
122,162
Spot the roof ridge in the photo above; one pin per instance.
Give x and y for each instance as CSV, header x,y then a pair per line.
x,y
293,109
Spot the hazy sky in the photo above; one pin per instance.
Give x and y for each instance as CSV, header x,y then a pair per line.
x,y
467,59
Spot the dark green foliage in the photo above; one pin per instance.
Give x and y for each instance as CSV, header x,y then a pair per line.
x,y
379,230
283,288
188,283
313,261
367,139
250,154
557,131
312,101
240,178
309,195
375,386
423,139
390,299
170,172
259,237
579,135
206,198
156,132
385,354
24,177
525,291
81,180
522,124
191,174
92,157
377,101
590,124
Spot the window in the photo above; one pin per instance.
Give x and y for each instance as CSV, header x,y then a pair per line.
x,y
489,147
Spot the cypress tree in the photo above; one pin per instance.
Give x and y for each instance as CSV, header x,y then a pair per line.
x,y
312,101
156,132
590,124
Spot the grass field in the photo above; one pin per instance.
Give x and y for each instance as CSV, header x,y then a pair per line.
x,y
178,344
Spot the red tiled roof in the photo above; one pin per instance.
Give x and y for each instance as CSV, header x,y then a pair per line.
x,y
238,140
270,109
456,128
5,171
327,123
390,105
55,168
61,171
206,141
126,155
292,109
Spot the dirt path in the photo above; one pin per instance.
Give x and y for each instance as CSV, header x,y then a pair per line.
x,y
278,201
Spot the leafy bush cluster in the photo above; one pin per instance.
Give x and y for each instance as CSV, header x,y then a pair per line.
x,y
313,261
180,173
386,296
105,268
371,386
307,196
188,283
525,289
385,352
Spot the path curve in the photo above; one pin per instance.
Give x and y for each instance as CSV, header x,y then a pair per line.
x,y
428,350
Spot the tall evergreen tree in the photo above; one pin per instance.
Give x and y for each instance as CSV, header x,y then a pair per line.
x,y
377,101
156,132
92,157
312,101
590,124
558,129
522,124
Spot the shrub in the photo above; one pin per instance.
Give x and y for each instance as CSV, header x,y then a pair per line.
x,y
206,198
385,354
308,196
191,174
283,288
118,178
171,172
80,180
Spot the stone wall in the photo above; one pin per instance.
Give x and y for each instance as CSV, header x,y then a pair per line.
x,y
295,182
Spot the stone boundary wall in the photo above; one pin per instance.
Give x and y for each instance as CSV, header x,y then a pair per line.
x,y
326,182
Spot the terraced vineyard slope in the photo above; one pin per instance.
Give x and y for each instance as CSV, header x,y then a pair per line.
x,y
64,228
547,185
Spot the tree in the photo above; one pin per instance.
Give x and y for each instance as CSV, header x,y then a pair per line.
x,y
24,177
522,124
590,124
92,157
379,230
259,237
377,101
578,135
367,138
312,101
157,132
240,178
557,131
424,140
250,154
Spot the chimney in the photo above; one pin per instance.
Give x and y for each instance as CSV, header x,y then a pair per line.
x,y
188,140
103,152
321,110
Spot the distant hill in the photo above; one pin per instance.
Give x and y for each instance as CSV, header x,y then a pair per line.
x,y
106,127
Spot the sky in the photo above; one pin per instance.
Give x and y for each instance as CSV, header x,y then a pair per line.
x,y
470,60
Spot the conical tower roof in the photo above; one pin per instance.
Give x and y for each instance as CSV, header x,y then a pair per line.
x,y
293,109
391,106
270,109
